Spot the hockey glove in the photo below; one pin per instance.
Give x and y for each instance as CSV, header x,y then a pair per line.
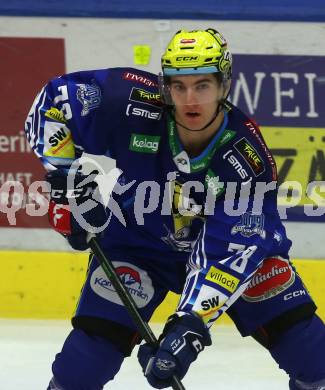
x,y
184,336
65,217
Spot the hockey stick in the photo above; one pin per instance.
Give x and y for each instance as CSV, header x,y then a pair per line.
x,y
142,326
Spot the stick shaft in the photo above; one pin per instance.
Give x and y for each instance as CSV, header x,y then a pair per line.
x,y
142,326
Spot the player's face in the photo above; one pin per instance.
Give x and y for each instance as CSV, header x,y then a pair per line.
x,y
195,98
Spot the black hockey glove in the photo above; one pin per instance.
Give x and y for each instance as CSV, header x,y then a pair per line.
x,y
183,338
82,214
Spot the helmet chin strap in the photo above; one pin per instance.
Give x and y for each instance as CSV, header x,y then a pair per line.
x,y
217,112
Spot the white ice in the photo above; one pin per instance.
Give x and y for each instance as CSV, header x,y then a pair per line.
x,y
27,348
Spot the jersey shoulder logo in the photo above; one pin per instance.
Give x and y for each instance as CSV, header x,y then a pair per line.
x,y
89,95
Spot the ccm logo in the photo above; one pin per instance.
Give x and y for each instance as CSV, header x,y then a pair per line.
x,y
192,58
294,294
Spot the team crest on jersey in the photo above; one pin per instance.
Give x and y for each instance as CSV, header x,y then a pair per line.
x,y
249,225
89,95
251,156
275,276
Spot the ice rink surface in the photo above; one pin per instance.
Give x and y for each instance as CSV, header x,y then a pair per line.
x,y
232,363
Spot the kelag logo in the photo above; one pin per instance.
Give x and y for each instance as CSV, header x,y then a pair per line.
x,y
285,95
144,143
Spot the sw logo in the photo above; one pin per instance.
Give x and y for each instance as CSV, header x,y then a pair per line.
x,y
210,303
57,137
59,142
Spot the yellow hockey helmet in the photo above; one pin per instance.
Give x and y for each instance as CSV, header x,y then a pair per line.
x,y
197,52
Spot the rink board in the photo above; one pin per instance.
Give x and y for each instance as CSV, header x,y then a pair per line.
x,y
47,284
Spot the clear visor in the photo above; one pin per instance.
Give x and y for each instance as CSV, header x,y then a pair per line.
x,y
191,90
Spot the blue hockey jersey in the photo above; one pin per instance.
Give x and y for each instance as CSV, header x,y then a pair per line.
x,y
217,212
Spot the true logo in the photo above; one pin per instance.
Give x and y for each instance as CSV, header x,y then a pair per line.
x,y
142,96
251,156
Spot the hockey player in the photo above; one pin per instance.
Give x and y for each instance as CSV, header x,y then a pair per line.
x,y
219,242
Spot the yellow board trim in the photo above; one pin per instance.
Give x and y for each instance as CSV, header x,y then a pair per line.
x,y
47,285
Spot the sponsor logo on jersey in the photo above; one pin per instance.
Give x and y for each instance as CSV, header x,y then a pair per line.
x,y
89,95
223,279
275,276
236,164
253,128
210,303
139,79
137,111
54,113
250,155
136,281
58,141
142,96
61,135
249,225
144,143
213,183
